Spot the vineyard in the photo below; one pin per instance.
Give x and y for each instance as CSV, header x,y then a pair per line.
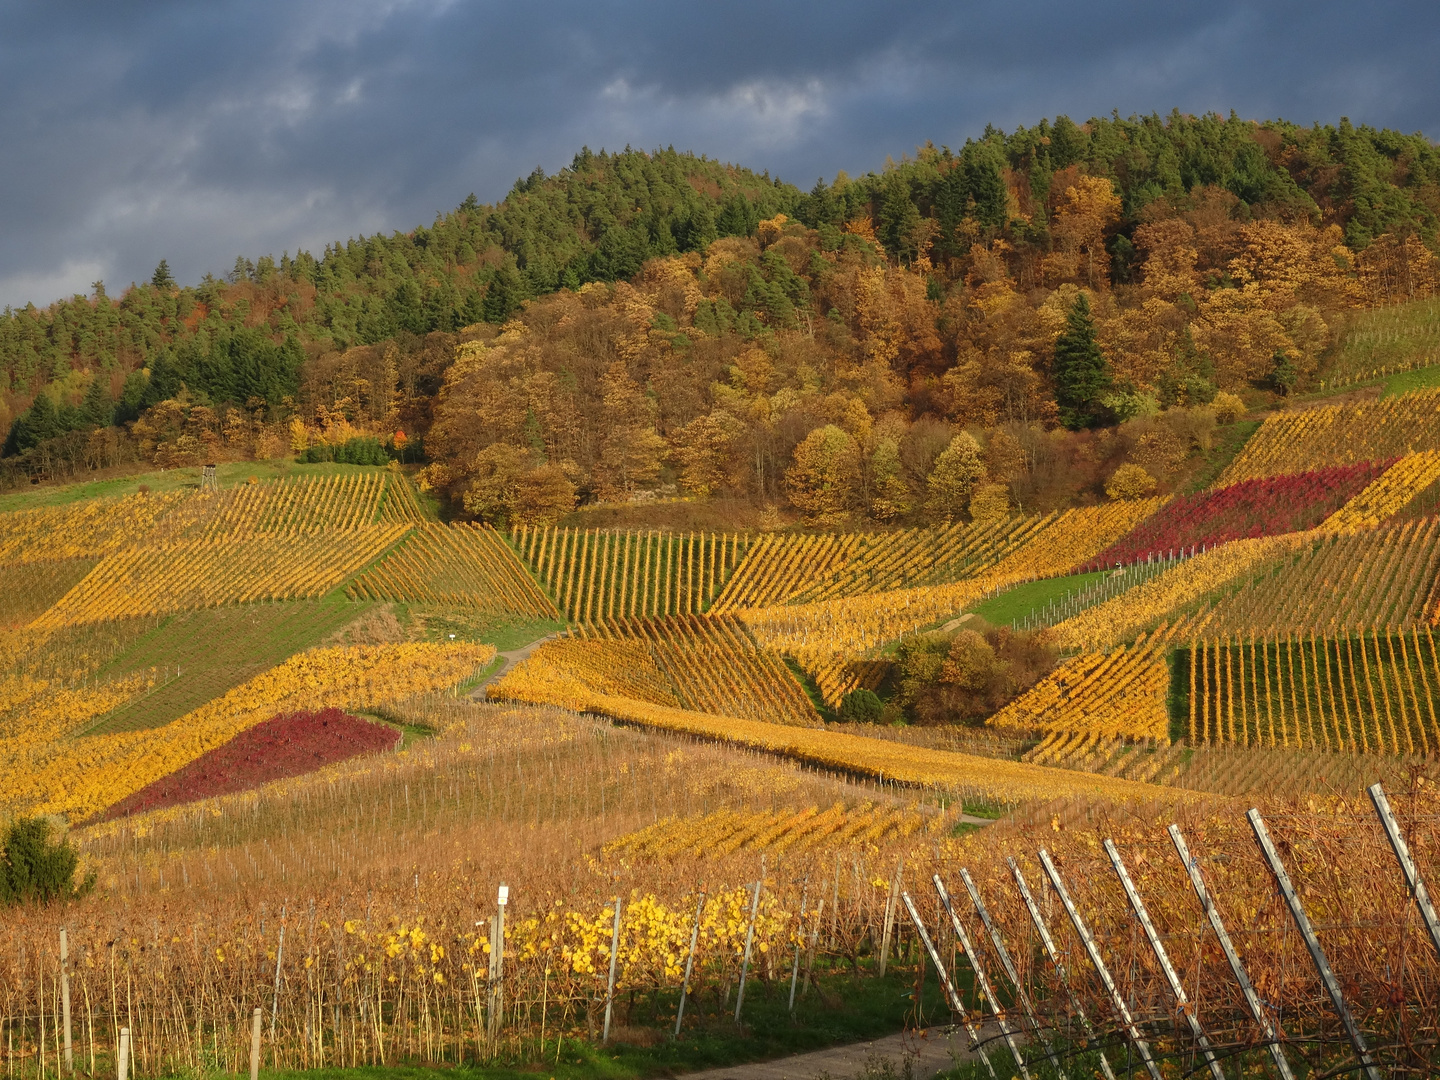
x,y
1249,509
207,573
458,566
1382,578
1332,435
1119,694
1363,693
281,705
598,574
714,666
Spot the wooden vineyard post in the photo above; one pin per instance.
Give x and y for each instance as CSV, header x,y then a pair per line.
x,y
1009,965
1252,999
1177,988
980,978
255,1044
889,924
952,995
799,943
65,998
1414,884
689,962
749,941
610,984
1312,943
122,1056
496,1006
279,953
1093,952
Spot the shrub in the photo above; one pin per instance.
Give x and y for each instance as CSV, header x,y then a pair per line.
x,y
36,869
861,707
1228,408
1129,481
968,676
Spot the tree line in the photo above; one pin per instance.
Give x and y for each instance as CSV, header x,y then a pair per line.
x,y
645,320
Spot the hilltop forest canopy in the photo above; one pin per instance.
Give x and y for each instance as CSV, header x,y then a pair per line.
x,y
889,345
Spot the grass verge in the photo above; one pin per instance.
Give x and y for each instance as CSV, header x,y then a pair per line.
x,y
1016,603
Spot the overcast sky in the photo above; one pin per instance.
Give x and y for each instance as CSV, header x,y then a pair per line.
x,y
194,131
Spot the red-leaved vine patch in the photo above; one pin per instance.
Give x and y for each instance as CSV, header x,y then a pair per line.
x,y
1263,507
283,746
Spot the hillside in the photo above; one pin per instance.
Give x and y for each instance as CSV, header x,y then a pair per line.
x,y
1213,255
515,693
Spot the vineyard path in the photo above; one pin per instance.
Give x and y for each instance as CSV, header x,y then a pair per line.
x,y
930,1052
511,658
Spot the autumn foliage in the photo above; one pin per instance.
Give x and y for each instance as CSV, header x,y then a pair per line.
x,y
283,746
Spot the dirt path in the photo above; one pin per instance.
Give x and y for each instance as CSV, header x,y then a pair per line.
x,y
929,1053
511,658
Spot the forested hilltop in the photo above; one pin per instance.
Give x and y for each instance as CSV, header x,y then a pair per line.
x,y
1011,323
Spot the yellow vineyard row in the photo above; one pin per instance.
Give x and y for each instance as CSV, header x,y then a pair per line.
x,y
1117,694
1387,494
86,529
1367,693
854,625
207,573
1338,583
1301,440
1162,597
541,680
457,565
724,832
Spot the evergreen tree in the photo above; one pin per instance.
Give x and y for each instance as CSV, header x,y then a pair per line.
x,y
97,408
36,424
1081,373
162,278
898,219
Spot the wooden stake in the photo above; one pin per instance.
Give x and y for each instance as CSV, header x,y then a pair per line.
x,y
890,902
65,998
1252,999
749,940
689,962
1312,943
255,1044
122,1057
610,986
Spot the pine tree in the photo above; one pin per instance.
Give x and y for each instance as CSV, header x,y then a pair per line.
x,y
1081,373
97,408
162,278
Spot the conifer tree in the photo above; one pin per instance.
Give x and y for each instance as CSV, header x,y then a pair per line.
x,y
1081,373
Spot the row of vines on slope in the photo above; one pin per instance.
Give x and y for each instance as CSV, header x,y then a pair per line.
x,y
455,565
605,574
208,573
1364,693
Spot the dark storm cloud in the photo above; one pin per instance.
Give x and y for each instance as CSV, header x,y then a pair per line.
x,y
196,131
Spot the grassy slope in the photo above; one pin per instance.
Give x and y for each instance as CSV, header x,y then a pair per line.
x,y
1014,604
1385,337
209,652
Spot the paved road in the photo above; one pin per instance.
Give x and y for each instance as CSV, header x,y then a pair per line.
x,y
926,1054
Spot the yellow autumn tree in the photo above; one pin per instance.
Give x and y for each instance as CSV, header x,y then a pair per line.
x,y
824,480
1088,208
